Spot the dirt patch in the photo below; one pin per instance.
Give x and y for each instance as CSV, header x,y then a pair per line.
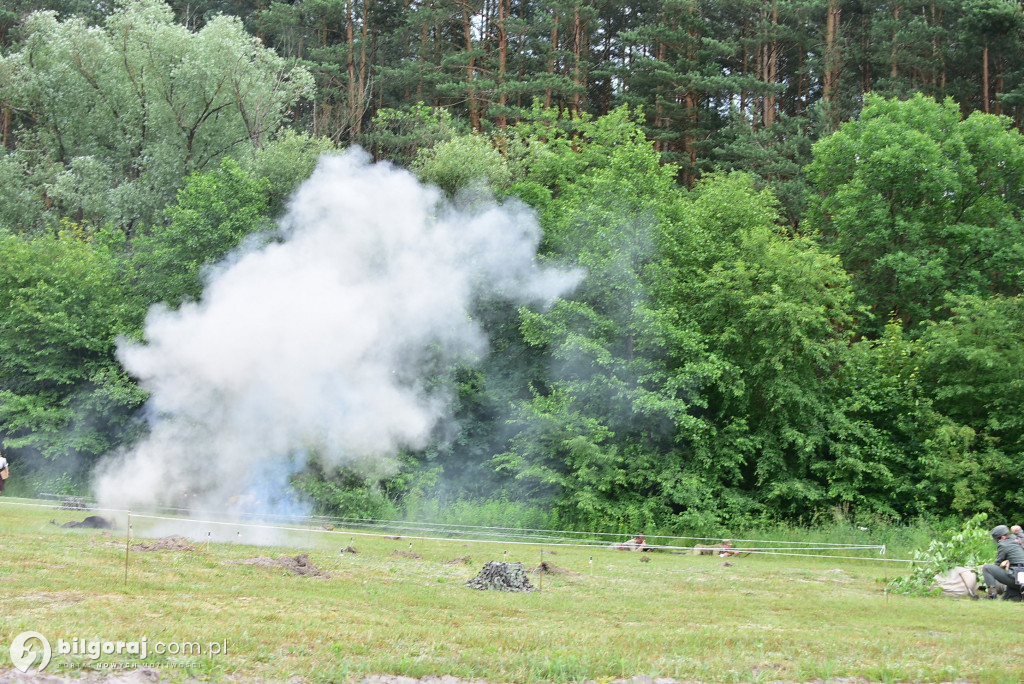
x,y
146,675
141,675
172,543
461,560
297,565
502,577
639,679
406,554
549,568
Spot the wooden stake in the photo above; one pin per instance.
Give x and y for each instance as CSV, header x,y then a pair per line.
x,y
127,545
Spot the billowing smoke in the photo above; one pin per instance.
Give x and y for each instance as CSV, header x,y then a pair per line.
x,y
323,341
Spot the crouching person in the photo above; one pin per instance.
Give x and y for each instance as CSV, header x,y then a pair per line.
x,y
1009,559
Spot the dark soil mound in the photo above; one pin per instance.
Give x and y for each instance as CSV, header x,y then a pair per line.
x,y
549,568
297,565
92,522
406,554
502,577
462,560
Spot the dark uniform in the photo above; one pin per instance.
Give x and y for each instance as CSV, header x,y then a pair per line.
x,y
1008,549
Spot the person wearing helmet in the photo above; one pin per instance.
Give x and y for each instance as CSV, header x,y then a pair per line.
x,y
1009,561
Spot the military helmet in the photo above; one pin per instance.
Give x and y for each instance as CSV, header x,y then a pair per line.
x,y
1000,531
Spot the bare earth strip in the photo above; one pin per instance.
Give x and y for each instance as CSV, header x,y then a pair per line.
x,y
146,675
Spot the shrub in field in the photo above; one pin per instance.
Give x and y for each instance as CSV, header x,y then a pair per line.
x,y
345,494
970,546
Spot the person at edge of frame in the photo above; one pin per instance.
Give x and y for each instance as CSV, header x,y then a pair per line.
x,y
1009,560
4,472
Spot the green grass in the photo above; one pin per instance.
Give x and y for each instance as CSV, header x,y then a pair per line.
x,y
687,617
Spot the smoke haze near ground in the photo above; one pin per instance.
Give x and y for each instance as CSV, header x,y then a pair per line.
x,y
321,342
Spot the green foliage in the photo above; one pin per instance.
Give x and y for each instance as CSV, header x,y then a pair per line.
x,y
37,481
462,163
500,511
693,378
285,162
215,212
398,135
967,547
970,366
600,430
774,315
918,203
888,432
775,155
345,494
549,152
63,303
106,121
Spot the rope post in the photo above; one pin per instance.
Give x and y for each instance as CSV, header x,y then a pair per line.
x,y
127,545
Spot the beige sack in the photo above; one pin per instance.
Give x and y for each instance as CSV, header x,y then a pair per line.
x,y
955,582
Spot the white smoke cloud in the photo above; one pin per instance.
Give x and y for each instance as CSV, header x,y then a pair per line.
x,y
321,340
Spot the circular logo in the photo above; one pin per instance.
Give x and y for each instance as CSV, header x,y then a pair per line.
x,y
24,657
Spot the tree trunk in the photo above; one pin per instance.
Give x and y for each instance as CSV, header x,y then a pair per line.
x,y
467,31
577,51
424,41
350,65
894,71
830,76
771,67
361,94
984,79
997,106
937,46
503,10
551,63
745,62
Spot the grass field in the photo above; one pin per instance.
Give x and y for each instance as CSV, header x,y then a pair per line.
x,y
763,618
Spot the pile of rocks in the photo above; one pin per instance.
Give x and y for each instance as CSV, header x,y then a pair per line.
x,y
502,577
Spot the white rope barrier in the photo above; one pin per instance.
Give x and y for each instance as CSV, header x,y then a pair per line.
x,y
781,548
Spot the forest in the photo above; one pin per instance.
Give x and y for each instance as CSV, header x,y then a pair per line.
x,y
797,224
